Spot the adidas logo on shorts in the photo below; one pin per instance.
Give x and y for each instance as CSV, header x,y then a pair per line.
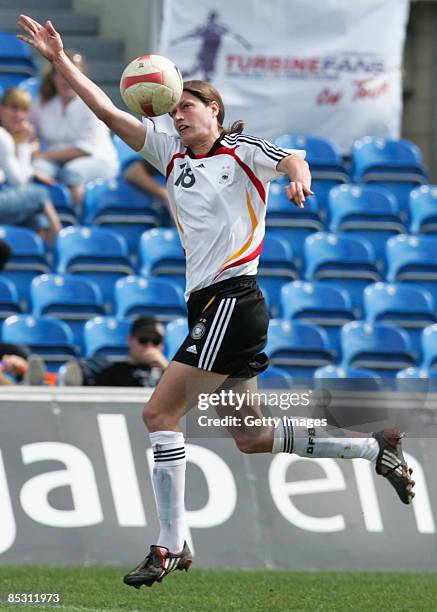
x,y
192,349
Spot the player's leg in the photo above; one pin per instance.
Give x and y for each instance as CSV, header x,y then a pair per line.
x,y
383,448
169,402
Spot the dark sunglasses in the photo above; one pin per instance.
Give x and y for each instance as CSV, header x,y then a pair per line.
x,y
155,340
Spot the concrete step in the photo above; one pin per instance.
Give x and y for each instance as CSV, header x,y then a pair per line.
x,y
64,22
95,48
30,6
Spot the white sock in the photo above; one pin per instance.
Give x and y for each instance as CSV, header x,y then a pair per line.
x,y
169,486
315,442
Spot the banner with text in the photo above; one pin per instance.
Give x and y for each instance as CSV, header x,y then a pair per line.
x,y
330,69
75,488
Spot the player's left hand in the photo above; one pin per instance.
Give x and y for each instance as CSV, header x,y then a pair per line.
x,y
296,192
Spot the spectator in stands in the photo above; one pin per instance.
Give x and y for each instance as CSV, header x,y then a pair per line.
x,y
76,147
143,367
18,367
22,202
141,173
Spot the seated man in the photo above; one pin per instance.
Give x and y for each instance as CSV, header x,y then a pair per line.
x,y
143,367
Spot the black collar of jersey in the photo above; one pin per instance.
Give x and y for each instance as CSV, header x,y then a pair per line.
x,y
210,153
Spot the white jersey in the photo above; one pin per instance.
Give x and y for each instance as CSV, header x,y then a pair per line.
x,y
218,201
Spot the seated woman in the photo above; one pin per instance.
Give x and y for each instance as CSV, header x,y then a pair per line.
x,y
76,146
21,202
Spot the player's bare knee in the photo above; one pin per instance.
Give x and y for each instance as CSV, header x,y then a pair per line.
x,y
152,417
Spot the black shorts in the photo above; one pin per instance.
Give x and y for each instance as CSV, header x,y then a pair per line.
x,y
228,324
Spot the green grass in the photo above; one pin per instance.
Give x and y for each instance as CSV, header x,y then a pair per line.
x,y
100,588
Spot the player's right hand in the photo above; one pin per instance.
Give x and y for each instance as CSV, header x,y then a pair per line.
x,y
44,39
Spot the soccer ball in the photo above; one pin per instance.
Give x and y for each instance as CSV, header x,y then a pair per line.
x,y
151,85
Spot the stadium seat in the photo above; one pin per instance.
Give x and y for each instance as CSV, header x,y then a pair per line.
x,y
412,259
107,337
298,348
276,267
327,169
275,378
320,304
175,333
125,154
158,297
32,85
365,211
417,380
121,206
429,347
408,306
161,254
70,298
343,261
28,259
423,210
16,63
9,301
347,378
48,338
60,195
392,163
287,221
97,253
376,346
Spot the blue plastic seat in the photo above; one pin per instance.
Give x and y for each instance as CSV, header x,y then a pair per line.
x,y
98,253
320,304
60,195
412,259
158,297
50,339
365,211
32,85
28,259
107,337
342,260
119,205
70,298
392,163
388,156
276,267
125,153
175,333
16,63
376,346
423,210
417,380
408,306
275,378
298,348
347,378
287,221
429,347
161,254
9,301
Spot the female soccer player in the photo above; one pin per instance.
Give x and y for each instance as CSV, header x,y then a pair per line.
x,y
217,182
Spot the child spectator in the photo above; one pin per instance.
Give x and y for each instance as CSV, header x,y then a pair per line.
x,y
21,202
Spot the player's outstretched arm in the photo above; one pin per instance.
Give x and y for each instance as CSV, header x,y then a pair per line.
x,y
47,41
300,179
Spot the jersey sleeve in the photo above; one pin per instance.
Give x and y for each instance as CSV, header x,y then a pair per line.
x,y
264,156
159,147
